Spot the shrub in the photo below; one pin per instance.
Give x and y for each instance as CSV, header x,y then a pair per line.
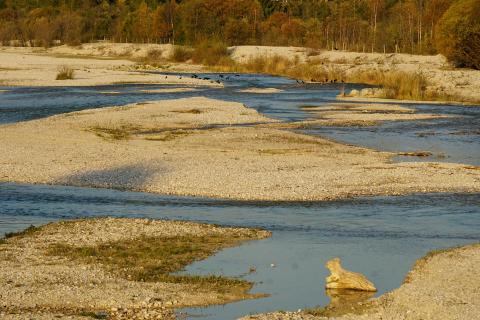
x,y
211,53
403,85
458,34
181,54
65,73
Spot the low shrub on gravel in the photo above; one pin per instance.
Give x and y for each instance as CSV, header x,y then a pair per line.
x,y
65,73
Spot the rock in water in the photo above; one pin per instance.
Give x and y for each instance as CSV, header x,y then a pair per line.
x,y
344,279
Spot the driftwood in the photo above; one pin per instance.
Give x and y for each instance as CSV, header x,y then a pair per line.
x,y
344,279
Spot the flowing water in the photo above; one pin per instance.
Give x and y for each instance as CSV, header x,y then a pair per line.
x,y
378,236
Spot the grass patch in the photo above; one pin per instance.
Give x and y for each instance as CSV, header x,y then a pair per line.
x,y
154,259
65,73
192,111
27,232
122,132
169,135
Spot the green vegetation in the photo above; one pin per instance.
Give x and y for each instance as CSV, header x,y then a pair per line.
x,y
154,259
458,34
65,73
364,25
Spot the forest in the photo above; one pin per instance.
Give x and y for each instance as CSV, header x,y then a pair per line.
x,y
405,26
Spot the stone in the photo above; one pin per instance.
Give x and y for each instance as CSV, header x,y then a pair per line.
x,y
344,279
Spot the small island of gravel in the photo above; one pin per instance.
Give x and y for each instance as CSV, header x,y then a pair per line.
x,y
114,268
211,148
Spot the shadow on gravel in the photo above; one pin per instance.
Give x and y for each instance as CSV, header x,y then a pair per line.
x,y
130,177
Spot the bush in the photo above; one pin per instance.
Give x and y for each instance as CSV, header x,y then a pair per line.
x,y
458,34
211,53
403,85
65,73
181,54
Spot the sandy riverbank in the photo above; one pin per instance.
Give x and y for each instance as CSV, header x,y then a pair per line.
x,y
194,147
443,79
39,280
117,60
442,285
34,67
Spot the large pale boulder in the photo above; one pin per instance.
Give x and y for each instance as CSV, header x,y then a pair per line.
x,y
344,279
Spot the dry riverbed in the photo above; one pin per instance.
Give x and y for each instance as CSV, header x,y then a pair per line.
x,y
442,285
115,268
201,147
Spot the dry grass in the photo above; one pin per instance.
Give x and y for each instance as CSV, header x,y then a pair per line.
x,y
280,66
212,53
169,135
396,84
284,151
191,111
181,54
121,132
154,259
402,85
27,232
65,73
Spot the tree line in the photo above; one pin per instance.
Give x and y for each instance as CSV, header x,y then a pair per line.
x,y
407,26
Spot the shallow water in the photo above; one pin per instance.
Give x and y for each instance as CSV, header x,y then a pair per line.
x,y
380,237
451,140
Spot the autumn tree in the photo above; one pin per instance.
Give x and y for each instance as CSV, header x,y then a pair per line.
x,y
458,34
